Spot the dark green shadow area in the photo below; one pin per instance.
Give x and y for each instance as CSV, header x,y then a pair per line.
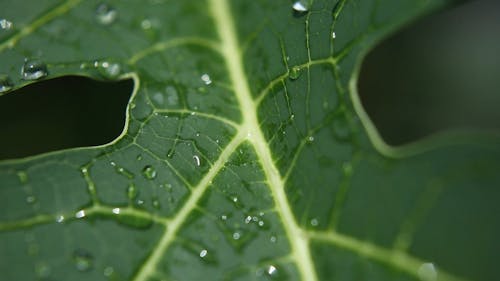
x,y
441,73
61,113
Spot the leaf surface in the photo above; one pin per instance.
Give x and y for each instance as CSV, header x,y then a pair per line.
x,y
246,153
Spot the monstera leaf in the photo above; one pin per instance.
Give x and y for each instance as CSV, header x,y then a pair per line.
x,y
246,154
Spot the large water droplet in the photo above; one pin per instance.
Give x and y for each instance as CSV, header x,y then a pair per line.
x,y
301,6
80,214
83,260
149,172
34,69
295,73
427,272
5,84
105,14
110,70
5,24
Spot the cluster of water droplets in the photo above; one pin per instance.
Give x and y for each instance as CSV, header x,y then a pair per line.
x,y
5,24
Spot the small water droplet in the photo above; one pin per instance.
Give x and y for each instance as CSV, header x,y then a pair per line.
x,y
197,160
170,153
272,270
156,203
206,79
60,219
122,171
427,272
5,24
273,239
301,6
236,236
314,222
105,14
34,69
295,72
23,177
30,199
334,35
5,84
310,139
248,219
108,271
146,24
132,192
42,270
223,217
203,253
116,211
149,172
80,214
110,70
83,260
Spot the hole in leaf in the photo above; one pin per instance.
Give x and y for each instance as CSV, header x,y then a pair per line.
x,y
62,113
441,73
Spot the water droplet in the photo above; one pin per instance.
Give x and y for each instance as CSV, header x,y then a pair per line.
x,y
333,35
108,271
172,96
248,219
132,192
105,14
34,69
5,24
42,270
116,211
5,84
146,24
223,217
60,219
206,79
203,253
273,239
30,199
197,160
156,203
310,139
295,72
80,214
110,70
236,235
427,272
83,260
301,6
272,270
149,172
314,222
122,171
23,177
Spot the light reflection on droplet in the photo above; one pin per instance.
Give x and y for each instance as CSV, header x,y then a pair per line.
x,y
206,79
116,211
203,253
236,235
197,160
80,214
60,219
271,270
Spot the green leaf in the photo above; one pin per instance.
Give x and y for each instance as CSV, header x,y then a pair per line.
x,y
246,153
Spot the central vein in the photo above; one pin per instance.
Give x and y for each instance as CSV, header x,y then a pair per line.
x,y
234,61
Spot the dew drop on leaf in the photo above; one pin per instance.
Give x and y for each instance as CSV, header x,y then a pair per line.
x,y
5,24
31,199
272,270
156,203
149,172
105,14
80,214
110,70
122,171
314,222
34,69
295,72
60,219
197,160
83,260
206,79
5,84
236,236
132,192
334,35
427,272
203,253
301,6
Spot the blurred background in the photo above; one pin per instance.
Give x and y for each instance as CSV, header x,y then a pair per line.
x,y
441,72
